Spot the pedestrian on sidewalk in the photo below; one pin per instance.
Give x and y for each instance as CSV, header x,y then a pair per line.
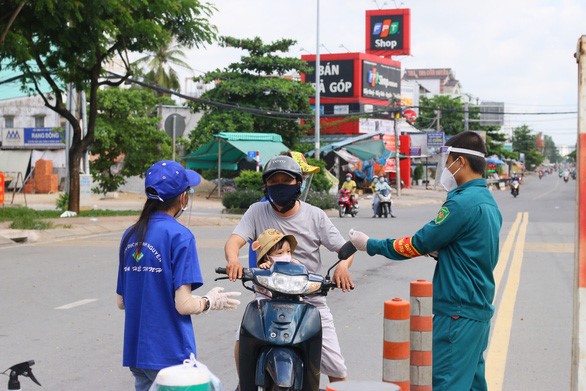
x,y
158,268
464,239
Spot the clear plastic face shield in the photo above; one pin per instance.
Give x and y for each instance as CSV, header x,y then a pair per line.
x,y
445,153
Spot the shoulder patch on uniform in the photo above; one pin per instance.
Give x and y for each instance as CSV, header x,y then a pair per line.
x,y
443,214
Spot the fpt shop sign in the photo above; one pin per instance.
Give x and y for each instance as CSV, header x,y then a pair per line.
x,y
388,32
43,136
336,78
380,81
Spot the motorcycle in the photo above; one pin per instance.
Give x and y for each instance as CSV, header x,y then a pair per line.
x,y
515,188
384,203
346,203
21,369
566,176
540,174
281,337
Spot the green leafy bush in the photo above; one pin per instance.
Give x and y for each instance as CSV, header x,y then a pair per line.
x,y
250,180
241,199
418,172
322,199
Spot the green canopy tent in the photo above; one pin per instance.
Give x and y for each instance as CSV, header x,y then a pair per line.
x,y
226,150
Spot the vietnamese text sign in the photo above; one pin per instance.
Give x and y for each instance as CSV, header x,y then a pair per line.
x,y
42,136
336,77
435,139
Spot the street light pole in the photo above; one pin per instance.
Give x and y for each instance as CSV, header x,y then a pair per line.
x,y
317,86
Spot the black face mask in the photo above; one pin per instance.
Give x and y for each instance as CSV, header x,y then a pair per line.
x,y
283,195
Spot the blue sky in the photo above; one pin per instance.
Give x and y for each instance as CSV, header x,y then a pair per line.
x,y
519,52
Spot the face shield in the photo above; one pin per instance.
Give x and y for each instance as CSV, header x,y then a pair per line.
x,y
445,153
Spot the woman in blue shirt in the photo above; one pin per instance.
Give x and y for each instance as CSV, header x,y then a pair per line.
x,y
158,269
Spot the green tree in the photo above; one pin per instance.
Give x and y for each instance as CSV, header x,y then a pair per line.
x,y
550,151
71,41
451,113
256,82
160,66
127,139
526,142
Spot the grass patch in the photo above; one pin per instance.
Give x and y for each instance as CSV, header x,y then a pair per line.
x,y
27,218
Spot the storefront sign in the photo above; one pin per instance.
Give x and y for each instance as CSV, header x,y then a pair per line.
x,y
435,139
336,77
388,32
380,81
44,136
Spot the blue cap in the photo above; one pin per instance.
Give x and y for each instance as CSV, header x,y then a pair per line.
x,y
167,179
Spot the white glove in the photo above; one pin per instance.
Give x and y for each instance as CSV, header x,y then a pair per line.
x,y
220,300
358,239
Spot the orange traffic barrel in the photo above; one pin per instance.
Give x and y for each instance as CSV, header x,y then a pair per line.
x,y
353,385
396,345
421,300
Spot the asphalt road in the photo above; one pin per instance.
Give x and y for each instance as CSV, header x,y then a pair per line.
x,y
58,299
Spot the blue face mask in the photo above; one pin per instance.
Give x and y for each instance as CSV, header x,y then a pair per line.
x,y
283,195
347,179
381,180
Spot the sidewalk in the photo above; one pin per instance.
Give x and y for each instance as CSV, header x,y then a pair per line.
x,y
204,212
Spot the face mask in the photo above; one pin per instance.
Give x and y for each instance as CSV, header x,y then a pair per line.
x,y
447,179
183,209
347,179
282,258
382,181
282,195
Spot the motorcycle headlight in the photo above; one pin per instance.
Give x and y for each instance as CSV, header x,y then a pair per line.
x,y
283,283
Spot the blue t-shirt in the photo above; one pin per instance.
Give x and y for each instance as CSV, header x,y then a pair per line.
x,y
155,334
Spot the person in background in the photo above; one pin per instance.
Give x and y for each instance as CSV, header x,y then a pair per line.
x,y
464,238
312,229
380,186
157,270
350,185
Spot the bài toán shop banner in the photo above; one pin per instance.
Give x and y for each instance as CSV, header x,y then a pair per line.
x,y
388,32
32,138
380,81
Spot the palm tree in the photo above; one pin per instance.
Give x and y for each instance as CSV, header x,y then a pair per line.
x,y
159,69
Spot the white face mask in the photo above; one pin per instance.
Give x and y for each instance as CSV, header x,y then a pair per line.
x,y
183,209
447,179
282,258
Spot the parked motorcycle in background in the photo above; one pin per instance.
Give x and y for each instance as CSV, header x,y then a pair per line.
x,y
346,203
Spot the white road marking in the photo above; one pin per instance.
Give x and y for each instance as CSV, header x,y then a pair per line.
x,y
76,304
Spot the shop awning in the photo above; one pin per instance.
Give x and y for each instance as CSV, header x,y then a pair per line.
x,y
366,150
227,149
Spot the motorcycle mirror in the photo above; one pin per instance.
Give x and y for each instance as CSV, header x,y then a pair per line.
x,y
345,252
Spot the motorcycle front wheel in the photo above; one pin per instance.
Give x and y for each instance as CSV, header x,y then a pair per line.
x,y
341,210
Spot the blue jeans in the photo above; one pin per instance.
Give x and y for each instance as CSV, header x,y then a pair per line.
x,y
143,378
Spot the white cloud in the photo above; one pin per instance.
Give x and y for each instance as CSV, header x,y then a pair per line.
x,y
519,52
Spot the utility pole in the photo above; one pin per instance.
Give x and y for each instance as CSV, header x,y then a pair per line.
x,y
578,380
397,160
438,116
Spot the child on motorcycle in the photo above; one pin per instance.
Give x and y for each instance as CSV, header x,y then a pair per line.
x,y
274,246
271,246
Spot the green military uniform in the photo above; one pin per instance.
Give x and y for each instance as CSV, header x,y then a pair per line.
x,y
465,232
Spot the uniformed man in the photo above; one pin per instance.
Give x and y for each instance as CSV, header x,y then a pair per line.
x,y
464,238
